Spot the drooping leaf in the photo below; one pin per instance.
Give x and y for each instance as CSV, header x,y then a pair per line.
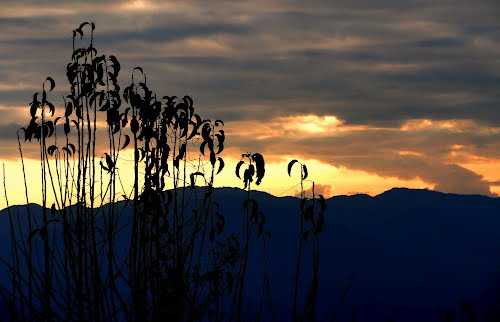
x,y
202,147
304,172
83,24
51,107
79,31
72,147
238,166
290,165
260,166
205,132
221,165
68,152
34,105
126,141
67,128
139,68
51,150
220,141
51,82
50,128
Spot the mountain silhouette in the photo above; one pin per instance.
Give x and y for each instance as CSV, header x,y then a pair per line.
x,y
406,255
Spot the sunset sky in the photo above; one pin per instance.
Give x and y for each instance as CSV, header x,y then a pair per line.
x,y
370,94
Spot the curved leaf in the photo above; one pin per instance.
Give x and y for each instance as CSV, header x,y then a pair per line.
x,y
290,165
83,24
67,151
52,83
72,147
51,150
304,172
238,166
260,166
52,108
202,147
221,165
126,142
50,128
139,68
220,141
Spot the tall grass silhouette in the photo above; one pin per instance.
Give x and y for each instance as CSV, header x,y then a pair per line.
x,y
176,264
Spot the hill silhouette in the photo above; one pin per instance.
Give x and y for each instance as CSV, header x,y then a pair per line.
x,y
407,255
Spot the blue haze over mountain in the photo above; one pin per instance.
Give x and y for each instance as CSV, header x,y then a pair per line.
x,y
405,255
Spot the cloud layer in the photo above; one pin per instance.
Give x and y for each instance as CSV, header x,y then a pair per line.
x,y
405,89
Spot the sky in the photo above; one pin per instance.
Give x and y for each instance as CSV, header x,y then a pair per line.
x,y
370,94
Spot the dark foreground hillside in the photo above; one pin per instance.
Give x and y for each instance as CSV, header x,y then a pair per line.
x,y
404,255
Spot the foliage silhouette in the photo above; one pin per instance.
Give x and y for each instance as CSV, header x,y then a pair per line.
x,y
179,264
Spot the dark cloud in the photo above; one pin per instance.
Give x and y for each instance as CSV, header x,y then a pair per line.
x,y
307,53
371,63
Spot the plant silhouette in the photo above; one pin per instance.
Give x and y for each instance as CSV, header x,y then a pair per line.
x,y
311,221
177,263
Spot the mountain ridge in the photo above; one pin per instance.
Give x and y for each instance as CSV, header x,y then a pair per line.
x,y
395,191
407,254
